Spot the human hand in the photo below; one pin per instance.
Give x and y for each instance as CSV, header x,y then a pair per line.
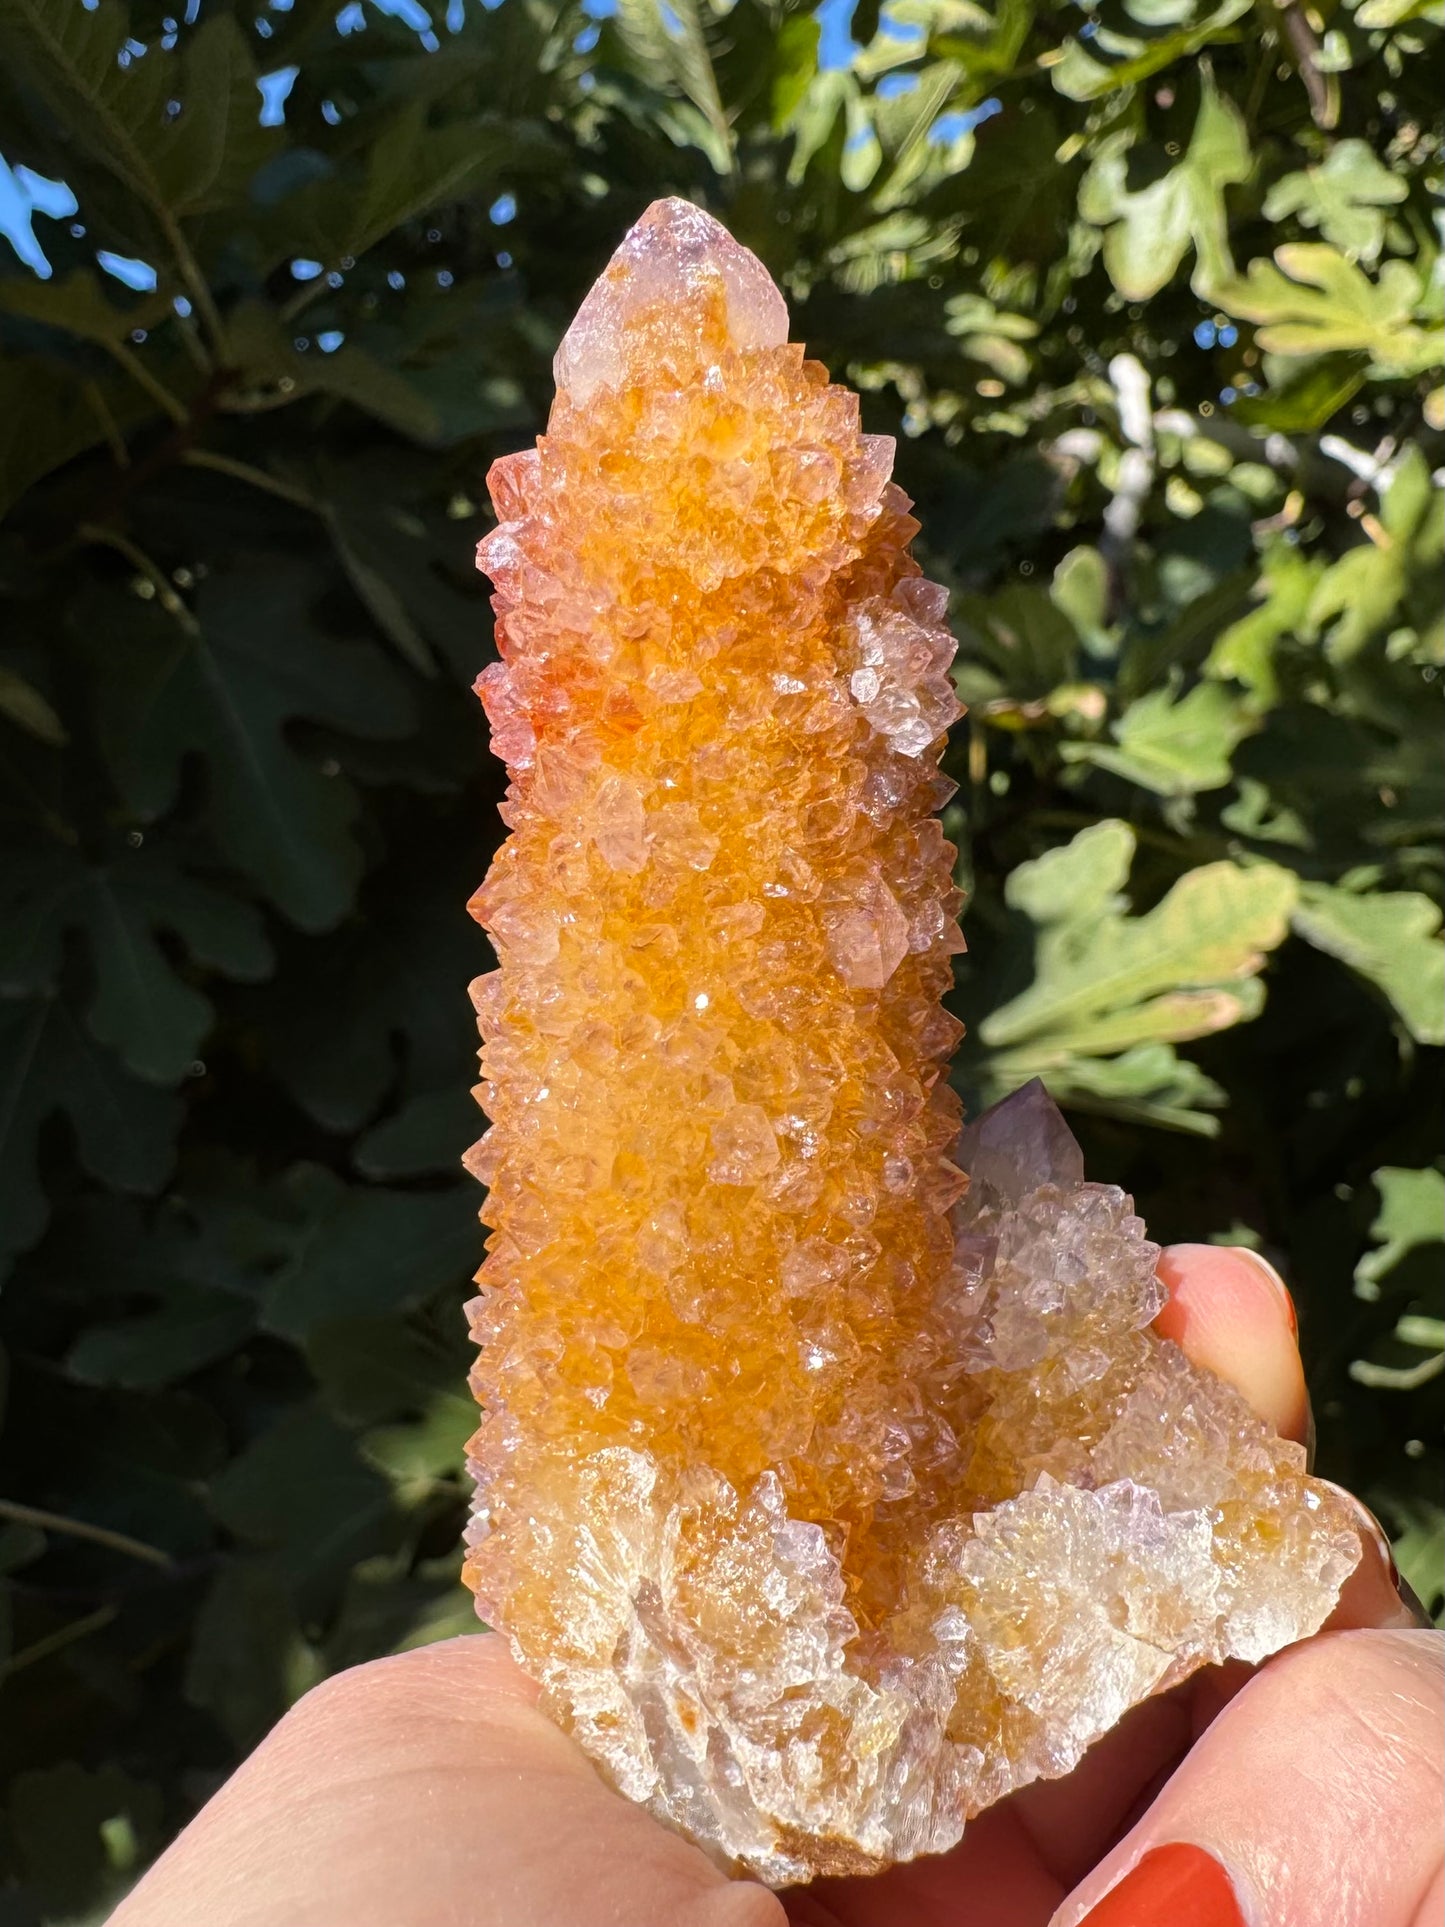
x,y
428,1790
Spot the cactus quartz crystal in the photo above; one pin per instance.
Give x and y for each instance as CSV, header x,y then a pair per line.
x,y
829,1495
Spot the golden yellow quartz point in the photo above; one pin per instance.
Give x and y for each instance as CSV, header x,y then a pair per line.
x,y
828,1495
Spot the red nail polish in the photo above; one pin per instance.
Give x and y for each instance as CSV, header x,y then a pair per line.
x,y
1174,1886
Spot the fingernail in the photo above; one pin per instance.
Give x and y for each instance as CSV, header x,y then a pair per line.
x,y
1175,1886
1279,1284
1376,1592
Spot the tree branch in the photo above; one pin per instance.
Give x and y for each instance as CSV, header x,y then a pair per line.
x,y
32,1515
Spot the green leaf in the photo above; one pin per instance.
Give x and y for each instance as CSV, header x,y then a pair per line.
x,y
386,606
1418,1541
363,1251
427,1134
1148,1084
188,1329
814,120
795,65
1390,580
410,166
1148,231
123,1130
59,1818
49,415
1105,982
1174,746
248,1659
217,143
413,168
1404,1264
71,55
903,124
333,1037
1303,394
265,354
118,113
225,690
419,1454
1411,1217
139,1006
1391,939
1343,197
1419,1334
414,569
1356,598
1312,301
394,1606
992,336
1377,14
1114,61
372,1369
79,306
1244,652
1024,634
1075,880
669,48
1080,588
300,1493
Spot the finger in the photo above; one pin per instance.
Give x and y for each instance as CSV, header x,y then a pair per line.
x,y
1316,1795
992,1878
1230,1311
429,1790
1373,1594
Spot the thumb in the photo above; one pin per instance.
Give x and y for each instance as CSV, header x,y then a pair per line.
x,y
1315,1796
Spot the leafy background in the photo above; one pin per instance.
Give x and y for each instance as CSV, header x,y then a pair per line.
x,y
1149,291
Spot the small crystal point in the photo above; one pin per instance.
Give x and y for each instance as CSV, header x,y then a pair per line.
x,y
1021,1143
674,259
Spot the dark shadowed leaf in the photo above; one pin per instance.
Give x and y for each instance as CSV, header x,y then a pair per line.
x,y
224,688
429,1133
365,1250
123,1130
185,1331
248,1659
371,1369
181,162
63,1820
301,1493
140,1006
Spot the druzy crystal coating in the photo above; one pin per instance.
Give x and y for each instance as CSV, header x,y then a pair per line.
x,y
828,1495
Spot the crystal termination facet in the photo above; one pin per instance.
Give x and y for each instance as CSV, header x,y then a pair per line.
x,y
828,1496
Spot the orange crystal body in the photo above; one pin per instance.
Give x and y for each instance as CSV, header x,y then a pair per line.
x,y
737,1413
